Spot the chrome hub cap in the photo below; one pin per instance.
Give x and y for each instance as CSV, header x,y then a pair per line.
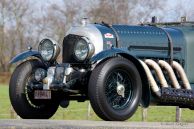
x,y
120,90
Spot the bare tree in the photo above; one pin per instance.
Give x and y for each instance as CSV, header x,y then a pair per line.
x,y
20,11
19,27
4,18
124,11
110,11
60,18
184,8
147,9
17,21
12,29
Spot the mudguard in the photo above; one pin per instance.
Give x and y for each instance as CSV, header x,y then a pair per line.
x,y
106,54
126,54
25,55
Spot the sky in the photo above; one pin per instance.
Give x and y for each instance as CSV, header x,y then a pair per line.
x,y
185,8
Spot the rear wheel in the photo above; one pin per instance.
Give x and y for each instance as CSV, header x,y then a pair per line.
x,y
22,97
115,89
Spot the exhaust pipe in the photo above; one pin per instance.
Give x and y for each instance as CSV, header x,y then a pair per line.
x,y
182,74
171,73
155,88
158,70
151,79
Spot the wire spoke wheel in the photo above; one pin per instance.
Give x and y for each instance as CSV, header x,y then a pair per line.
x,y
115,89
29,93
22,96
118,89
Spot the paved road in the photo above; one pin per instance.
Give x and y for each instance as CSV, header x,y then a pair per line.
x,y
74,124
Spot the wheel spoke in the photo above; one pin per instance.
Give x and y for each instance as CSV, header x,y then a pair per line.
x,y
119,77
111,98
29,93
118,89
111,84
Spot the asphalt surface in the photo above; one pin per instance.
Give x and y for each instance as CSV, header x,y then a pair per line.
x,y
83,124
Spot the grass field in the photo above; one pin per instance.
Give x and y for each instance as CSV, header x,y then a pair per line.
x,y
79,111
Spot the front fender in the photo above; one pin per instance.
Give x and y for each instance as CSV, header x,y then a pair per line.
x,y
106,54
25,55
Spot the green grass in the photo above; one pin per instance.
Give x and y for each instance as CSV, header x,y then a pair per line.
x,y
78,111
4,102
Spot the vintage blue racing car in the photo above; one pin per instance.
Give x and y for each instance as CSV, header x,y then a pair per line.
x,y
115,67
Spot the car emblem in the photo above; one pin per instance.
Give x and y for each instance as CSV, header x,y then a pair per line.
x,y
108,35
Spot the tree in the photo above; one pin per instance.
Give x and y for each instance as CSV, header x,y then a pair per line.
x,y
4,18
60,18
12,30
20,11
22,25
124,11
184,9
110,11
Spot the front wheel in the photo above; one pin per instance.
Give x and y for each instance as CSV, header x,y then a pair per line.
x,y
22,98
115,89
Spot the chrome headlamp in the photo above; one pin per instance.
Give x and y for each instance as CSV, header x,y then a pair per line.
x,y
49,49
83,49
40,74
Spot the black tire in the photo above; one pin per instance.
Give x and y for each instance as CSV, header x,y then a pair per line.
x,y
103,99
22,99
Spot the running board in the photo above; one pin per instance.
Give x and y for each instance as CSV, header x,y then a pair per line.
x,y
177,97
